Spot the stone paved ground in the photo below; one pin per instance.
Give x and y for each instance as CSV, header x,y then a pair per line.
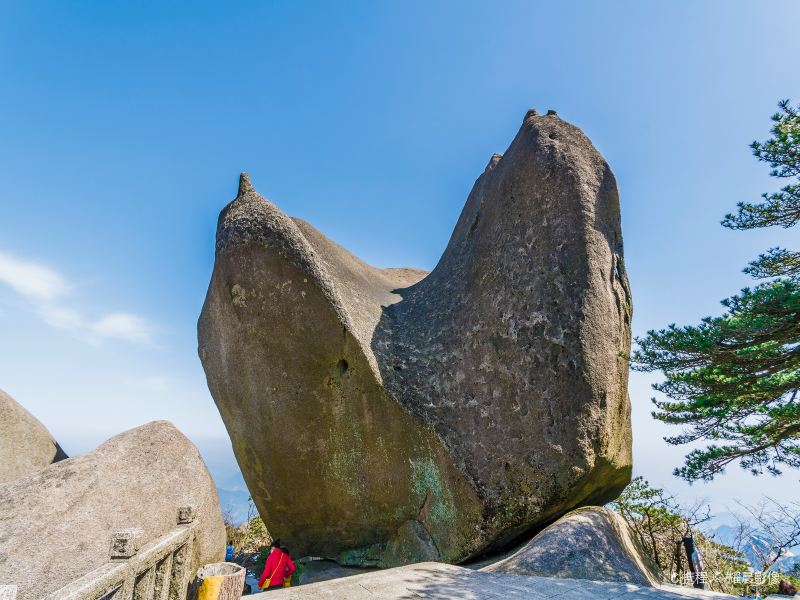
x,y
438,581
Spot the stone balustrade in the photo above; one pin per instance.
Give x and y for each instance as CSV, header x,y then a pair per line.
x,y
159,570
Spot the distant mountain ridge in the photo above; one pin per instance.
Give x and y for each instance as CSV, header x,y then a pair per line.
x,y
726,534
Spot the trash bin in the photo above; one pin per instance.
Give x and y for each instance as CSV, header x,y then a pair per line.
x,y
220,581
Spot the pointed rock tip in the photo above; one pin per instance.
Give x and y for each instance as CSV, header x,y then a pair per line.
x,y
244,184
493,161
531,113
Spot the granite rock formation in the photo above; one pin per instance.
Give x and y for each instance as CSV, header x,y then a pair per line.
x,y
393,411
56,524
25,444
589,543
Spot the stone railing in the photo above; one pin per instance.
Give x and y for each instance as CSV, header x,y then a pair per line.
x,y
159,570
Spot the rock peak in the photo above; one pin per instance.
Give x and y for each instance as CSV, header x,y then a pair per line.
x,y
493,161
244,184
406,379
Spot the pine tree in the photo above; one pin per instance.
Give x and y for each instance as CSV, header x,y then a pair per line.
x,y
733,380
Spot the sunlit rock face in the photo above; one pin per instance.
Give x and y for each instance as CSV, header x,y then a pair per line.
x,y
385,416
592,543
25,444
57,524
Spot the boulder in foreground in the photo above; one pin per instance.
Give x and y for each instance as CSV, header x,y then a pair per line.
x,y
589,543
56,524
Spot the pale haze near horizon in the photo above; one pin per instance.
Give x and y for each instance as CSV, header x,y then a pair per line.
x,y
126,128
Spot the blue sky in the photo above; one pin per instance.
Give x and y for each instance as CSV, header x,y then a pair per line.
x,y
125,126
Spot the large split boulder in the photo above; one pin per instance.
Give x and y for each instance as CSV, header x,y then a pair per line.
x,y
398,412
57,523
25,444
589,543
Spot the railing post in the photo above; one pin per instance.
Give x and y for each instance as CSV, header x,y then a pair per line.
x,y
187,514
125,543
180,566
143,584
162,576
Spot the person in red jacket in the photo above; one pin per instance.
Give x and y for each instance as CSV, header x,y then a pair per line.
x,y
277,569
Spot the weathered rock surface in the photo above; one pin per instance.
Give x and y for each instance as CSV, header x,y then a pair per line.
x,y
56,523
450,582
25,444
589,543
479,401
